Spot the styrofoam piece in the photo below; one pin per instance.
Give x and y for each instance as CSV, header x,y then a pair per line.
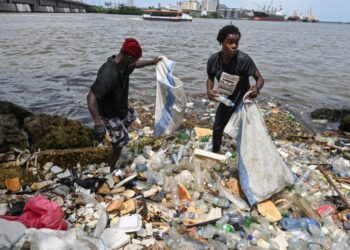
x,y
130,223
114,238
201,152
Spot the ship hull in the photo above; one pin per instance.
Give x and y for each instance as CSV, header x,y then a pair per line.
x,y
167,19
264,16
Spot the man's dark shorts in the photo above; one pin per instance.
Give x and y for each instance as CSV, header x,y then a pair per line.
x,y
118,128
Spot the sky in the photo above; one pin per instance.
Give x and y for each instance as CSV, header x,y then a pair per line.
x,y
325,10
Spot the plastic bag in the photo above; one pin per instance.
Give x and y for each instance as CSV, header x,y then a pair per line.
x,y
58,240
170,99
232,127
262,171
39,212
10,233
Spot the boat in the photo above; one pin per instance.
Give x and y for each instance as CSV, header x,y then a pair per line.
x,y
301,18
269,15
295,18
167,15
310,18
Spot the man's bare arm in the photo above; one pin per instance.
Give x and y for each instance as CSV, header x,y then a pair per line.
x,y
93,108
145,63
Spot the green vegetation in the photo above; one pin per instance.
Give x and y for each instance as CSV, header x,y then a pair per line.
x,y
121,9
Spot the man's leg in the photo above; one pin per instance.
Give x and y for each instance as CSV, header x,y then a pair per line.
x,y
114,156
222,116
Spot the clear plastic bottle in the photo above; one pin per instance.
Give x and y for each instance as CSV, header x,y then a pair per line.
x,y
181,152
175,193
223,99
216,245
217,201
198,176
207,232
297,224
235,199
222,221
171,243
242,244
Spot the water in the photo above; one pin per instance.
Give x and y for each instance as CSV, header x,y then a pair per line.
x,y
49,61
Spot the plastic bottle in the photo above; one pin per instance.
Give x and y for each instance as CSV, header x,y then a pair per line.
x,y
141,167
171,243
198,176
175,241
207,232
181,152
214,244
223,99
235,199
222,221
220,202
235,217
153,178
297,224
242,244
174,193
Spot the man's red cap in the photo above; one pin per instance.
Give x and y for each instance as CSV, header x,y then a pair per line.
x,y
132,47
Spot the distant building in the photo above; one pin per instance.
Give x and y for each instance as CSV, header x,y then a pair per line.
x,y
130,3
210,5
234,13
190,5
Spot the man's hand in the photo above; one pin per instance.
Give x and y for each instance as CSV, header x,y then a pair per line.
x,y
156,60
212,93
99,132
254,92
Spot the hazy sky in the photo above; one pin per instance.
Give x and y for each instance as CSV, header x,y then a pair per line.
x,y
325,10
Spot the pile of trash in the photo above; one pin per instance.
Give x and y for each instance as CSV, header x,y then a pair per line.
x,y
176,194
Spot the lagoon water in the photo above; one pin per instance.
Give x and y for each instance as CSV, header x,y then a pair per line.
x,y
49,61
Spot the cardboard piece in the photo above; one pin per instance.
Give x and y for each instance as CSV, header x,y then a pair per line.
x,y
201,132
269,210
213,215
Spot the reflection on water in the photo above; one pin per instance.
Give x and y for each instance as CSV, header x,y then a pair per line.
x,y
49,61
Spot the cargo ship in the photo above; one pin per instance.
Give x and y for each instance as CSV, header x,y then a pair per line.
x,y
269,15
300,18
167,15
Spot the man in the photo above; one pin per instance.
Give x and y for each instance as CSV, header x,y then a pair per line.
x,y
240,66
108,97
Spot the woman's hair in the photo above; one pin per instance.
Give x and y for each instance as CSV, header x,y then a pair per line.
x,y
225,31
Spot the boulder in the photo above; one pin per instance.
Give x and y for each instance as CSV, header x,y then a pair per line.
x,y
10,134
330,114
19,112
56,132
345,123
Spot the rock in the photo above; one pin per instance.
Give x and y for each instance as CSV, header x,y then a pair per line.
x,y
104,189
330,114
11,134
345,123
269,210
19,112
129,193
55,132
128,207
114,206
40,185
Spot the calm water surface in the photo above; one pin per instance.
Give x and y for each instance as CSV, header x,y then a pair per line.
x,y
49,61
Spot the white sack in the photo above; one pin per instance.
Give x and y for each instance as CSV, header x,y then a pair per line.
x,y
170,99
262,171
47,239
